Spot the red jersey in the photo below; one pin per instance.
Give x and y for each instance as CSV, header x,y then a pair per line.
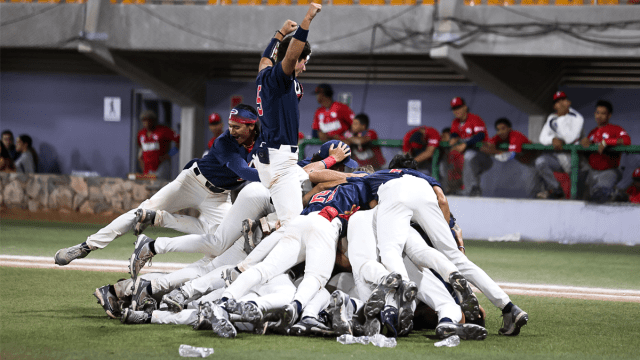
x,y
472,126
515,141
154,145
415,144
610,134
334,121
367,154
213,139
634,194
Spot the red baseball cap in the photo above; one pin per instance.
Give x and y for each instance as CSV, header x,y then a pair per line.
x,y
636,173
214,118
456,102
559,95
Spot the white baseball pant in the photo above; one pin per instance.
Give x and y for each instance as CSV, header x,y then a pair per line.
x,y
311,238
184,192
252,203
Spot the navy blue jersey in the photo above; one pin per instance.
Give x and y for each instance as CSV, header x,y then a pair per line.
x,y
346,198
380,177
225,165
278,96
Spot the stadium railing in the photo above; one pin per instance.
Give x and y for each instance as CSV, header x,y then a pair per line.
x,y
435,169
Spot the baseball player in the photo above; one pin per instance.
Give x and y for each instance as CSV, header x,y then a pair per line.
x,y
421,143
467,130
278,94
562,127
154,141
332,119
204,184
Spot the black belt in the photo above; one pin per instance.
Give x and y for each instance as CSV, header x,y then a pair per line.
x,y
209,185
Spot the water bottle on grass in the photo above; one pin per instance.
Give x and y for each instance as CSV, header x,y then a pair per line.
x,y
193,351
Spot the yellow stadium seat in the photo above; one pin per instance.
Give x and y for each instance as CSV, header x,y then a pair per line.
x,y
342,2
428,2
402,2
250,2
534,2
372,2
500,2
278,2
568,2
304,2
606,2
472,2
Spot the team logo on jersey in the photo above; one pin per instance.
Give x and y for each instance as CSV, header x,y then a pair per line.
x,y
334,114
299,90
605,135
468,130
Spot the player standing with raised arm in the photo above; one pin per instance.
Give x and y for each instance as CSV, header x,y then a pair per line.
x,y
278,94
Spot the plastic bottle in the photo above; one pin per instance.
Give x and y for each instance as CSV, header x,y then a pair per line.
x,y
380,340
350,339
192,351
451,341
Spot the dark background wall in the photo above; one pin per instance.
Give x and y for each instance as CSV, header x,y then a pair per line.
x,y
64,113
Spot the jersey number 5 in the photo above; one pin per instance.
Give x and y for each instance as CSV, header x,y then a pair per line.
x,y
323,196
259,101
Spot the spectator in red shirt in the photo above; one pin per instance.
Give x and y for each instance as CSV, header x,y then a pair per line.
x,y
155,142
604,169
421,143
332,119
506,135
359,138
467,130
634,190
215,125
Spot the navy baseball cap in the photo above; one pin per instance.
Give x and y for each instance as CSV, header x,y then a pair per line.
x,y
324,153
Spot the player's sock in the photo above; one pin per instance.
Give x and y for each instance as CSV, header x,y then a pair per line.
x,y
149,289
152,247
224,299
298,306
446,320
85,246
507,309
355,306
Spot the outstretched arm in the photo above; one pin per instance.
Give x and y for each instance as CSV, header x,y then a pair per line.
x,y
299,40
267,57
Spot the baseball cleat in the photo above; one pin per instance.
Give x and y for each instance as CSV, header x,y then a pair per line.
x,y
175,300
219,319
130,316
108,301
230,275
376,300
144,218
67,255
371,327
251,313
311,326
356,328
468,301
141,254
405,298
288,317
338,310
513,321
141,292
203,323
464,331
389,323
249,228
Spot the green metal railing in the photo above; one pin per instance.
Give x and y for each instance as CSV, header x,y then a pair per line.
x,y
435,170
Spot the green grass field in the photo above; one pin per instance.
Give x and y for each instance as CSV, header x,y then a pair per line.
x,y
51,314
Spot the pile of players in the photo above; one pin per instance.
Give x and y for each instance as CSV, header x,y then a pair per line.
x,y
299,248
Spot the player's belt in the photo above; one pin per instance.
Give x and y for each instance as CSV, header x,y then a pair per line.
x,y
207,183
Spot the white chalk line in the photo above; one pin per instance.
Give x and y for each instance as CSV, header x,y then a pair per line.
x,y
573,292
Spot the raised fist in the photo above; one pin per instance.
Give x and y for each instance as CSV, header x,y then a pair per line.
x,y
313,10
289,27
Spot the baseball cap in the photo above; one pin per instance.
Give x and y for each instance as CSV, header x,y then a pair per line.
x,y
456,102
324,153
214,118
325,89
559,95
636,173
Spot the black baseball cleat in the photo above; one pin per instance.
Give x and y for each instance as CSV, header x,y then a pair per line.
x,y
389,323
108,300
338,310
141,254
67,255
311,326
464,331
405,298
513,321
468,301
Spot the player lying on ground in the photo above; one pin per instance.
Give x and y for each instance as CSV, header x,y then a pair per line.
x,y
204,184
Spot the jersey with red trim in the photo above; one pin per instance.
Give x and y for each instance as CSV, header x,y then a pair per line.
x,y
335,120
634,194
610,134
154,144
345,198
515,141
472,126
378,178
366,154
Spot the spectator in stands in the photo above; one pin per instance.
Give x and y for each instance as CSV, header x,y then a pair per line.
x,y
421,143
332,119
562,127
216,128
8,141
634,190
506,135
359,138
28,160
155,142
6,162
467,130
604,170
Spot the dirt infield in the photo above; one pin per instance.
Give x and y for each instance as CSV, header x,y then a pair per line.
x,y
62,216
510,288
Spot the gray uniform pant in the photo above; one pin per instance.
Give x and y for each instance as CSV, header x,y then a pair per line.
x,y
475,163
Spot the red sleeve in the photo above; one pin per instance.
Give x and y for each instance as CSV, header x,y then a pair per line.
x,y
516,139
620,134
478,125
371,134
455,127
213,139
316,120
592,133
345,115
432,137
